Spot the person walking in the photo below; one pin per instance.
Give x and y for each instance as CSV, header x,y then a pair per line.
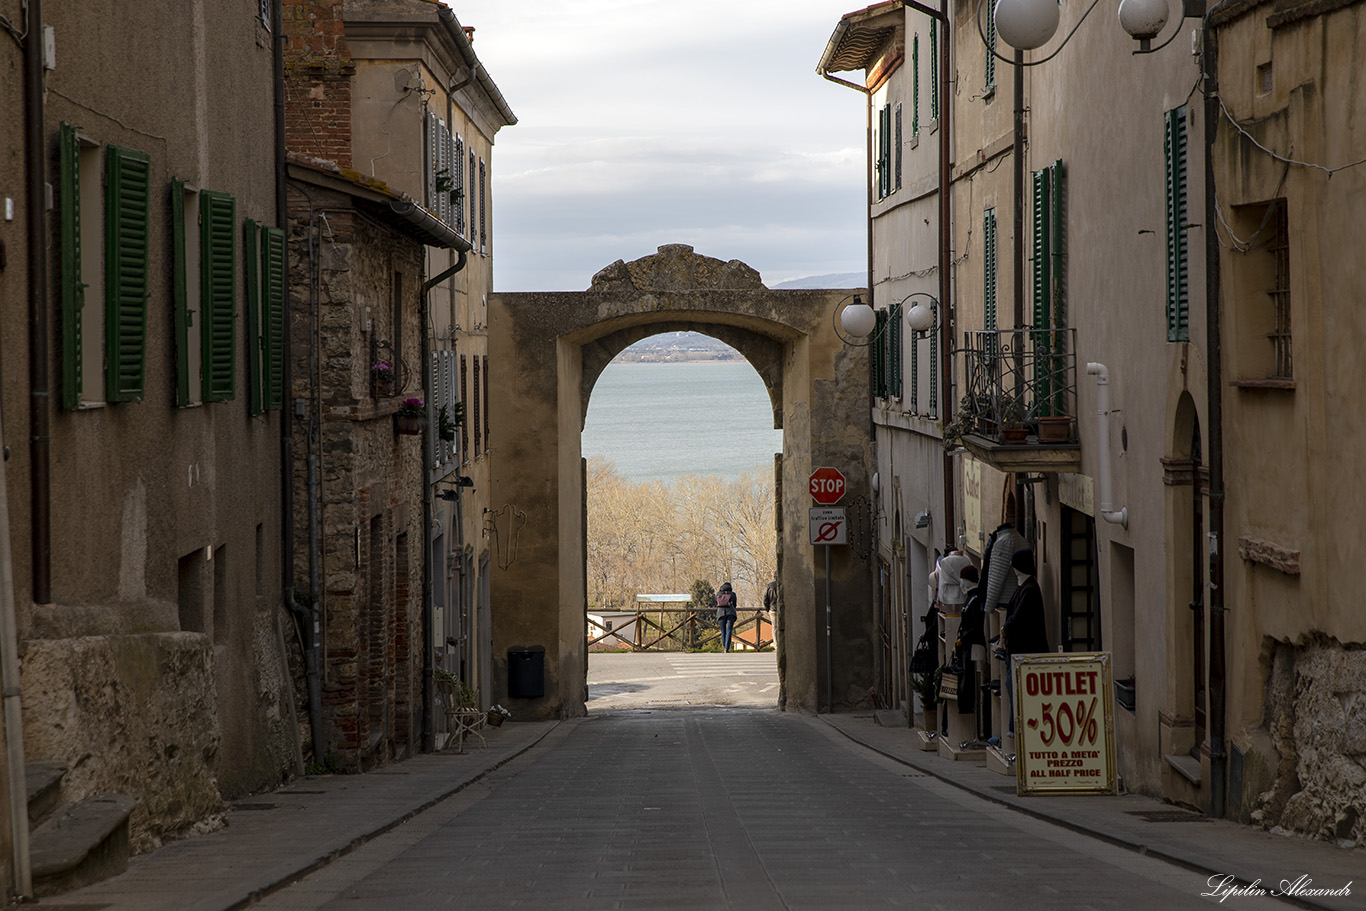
x,y
725,613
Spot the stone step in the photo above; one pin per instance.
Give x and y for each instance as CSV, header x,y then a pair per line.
x,y
85,843
44,782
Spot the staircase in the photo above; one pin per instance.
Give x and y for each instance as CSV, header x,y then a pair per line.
x,y
76,845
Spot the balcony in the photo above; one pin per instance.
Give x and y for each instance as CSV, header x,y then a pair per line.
x,y
1019,409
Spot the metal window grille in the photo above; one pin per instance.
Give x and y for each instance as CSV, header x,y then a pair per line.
x,y
1280,296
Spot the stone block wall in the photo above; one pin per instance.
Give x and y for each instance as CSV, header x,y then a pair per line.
x,y
1312,779
135,715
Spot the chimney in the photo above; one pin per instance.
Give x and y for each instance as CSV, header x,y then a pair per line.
x,y
469,33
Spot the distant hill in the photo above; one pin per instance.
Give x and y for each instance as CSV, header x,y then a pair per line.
x,y
676,347
835,280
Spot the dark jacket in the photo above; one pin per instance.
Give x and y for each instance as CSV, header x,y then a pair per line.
x,y
1024,632
722,612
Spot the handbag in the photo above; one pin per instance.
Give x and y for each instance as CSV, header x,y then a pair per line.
x,y
924,659
949,682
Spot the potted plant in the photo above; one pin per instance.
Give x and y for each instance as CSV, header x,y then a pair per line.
x,y
410,417
925,688
1010,418
382,372
446,423
497,715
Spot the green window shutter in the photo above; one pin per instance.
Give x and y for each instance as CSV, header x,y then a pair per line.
x,y
991,47
218,302
880,355
126,222
273,293
934,70
1178,288
255,336
884,151
989,270
1057,244
73,289
915,86
181,292
896,322
1043,261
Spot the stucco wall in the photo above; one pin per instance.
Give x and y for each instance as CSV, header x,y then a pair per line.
x,y
545,347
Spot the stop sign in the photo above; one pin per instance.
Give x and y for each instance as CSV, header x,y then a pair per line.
x,y
827,486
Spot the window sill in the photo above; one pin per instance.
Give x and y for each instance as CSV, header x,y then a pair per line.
x,y
1270,384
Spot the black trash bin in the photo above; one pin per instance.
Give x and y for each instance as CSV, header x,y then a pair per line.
x,y
526,672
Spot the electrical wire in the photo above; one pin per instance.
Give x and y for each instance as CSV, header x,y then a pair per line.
x,y
1285,158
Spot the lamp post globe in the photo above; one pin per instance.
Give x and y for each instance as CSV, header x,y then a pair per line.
x,y
920,317
1143,19
858,319
1026,24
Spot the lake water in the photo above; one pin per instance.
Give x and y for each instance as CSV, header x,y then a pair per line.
x,y
661,421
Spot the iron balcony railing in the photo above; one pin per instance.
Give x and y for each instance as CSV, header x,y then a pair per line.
x,y
1019,383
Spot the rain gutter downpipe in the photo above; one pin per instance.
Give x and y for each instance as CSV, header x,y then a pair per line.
x,y
1108,513
287,383
1218,751
428,508
40,441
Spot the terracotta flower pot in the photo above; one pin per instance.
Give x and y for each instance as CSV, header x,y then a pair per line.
x,y
408,424
1055,430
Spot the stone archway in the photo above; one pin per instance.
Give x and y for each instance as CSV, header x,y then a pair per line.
x,y
546,351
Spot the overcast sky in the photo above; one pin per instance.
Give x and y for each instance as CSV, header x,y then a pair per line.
x,y
649,122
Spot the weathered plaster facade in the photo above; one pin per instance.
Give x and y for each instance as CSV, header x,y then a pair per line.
x,y
1291,80
547,351
152,664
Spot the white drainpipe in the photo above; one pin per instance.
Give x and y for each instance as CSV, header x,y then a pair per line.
x,y
1117,516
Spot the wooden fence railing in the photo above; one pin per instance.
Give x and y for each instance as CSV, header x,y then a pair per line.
x,y
680,630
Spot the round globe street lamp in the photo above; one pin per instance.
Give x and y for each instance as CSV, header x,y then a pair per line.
x,y
858,319
1143,19
920,317
1026,24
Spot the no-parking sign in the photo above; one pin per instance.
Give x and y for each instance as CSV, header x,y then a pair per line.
x,y
828,525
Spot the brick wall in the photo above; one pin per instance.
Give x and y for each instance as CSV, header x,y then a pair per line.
x,y
318,71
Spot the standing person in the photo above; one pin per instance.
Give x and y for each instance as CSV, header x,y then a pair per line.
x,y
1024,631
726,603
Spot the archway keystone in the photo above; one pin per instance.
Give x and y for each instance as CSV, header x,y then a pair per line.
x,y
546,351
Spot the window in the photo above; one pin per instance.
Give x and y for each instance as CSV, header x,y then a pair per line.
x,y
478,432
263,12
464,397
488,381
1049,279
265,256
82,256
879,353
924,367
474,210
915,86
444,393
119,253
991,49
445,174
1260,281
483,209
127,197
894,324
396,328
934,70
218,294
900,144
883,165
1178,281
989,271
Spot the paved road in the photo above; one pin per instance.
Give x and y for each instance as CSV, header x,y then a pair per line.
x,y
654,679
712,808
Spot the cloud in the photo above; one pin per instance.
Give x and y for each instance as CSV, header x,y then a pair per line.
x,y
643,122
